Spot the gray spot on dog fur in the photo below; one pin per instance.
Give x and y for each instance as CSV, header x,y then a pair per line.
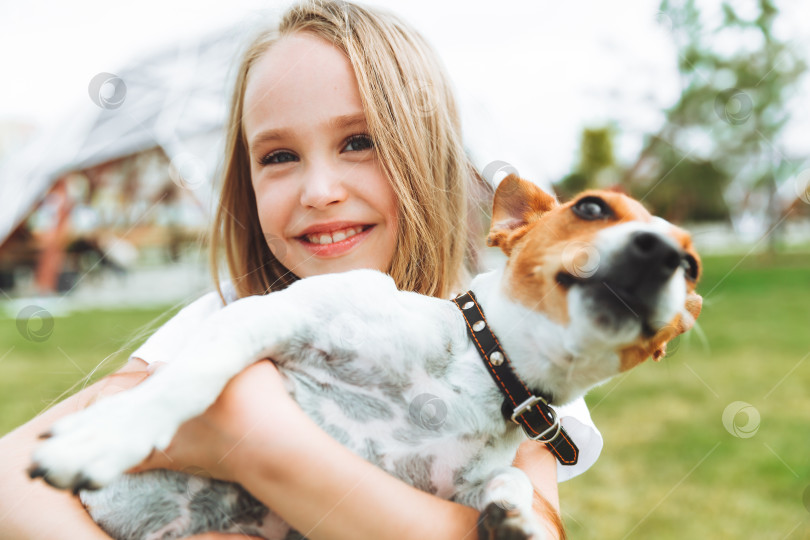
x,y
221,506
371,452
355,405
165,498
339,434
392,383
416,470
436,366
409,436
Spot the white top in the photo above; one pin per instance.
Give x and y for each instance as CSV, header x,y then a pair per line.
x,y
167,342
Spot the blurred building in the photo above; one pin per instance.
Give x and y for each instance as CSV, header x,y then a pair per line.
x,y
127,175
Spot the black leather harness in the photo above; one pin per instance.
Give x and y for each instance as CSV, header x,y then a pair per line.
x,y
529,409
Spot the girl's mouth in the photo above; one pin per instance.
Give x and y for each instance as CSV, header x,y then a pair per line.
x,y
336,242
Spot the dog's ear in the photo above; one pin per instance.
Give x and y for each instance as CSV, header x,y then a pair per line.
x,y
656,347
517,203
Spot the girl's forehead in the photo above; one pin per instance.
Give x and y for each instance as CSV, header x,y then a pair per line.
x,y
298,79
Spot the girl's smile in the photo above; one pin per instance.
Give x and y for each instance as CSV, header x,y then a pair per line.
x,y
334,239
323,200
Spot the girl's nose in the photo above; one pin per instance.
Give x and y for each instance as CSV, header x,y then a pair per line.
x,y
322,186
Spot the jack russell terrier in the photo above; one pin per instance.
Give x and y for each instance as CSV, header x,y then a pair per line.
x,y
539,331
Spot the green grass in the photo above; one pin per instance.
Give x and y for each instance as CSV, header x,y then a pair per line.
x,y
73,351
669,469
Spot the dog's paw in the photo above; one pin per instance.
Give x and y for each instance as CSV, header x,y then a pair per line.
x,y
499,523
89,449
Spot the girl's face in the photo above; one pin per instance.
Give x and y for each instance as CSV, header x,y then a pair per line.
x,y
324,203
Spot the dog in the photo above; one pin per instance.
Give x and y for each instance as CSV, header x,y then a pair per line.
x,y
589,289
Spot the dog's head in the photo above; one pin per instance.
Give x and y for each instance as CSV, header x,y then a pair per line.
x,y
601,266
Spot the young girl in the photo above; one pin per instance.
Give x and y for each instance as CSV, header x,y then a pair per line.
x,y
343,151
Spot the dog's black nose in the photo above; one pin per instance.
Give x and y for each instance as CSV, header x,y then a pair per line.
x,y
641,268
658,255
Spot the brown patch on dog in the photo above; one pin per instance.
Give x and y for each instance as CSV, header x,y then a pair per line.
x,y
517,203
656,347
535,231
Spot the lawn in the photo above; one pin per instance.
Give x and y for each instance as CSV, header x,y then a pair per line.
x,y
44,359
670,469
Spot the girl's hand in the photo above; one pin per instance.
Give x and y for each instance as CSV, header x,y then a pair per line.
x,y
217,443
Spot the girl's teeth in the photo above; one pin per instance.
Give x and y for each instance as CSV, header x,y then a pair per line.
x,y
334,237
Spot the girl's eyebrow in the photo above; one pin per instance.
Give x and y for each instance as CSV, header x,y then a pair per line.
x,y
338,122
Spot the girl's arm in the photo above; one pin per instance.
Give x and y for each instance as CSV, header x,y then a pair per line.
x,y
32,509
258,436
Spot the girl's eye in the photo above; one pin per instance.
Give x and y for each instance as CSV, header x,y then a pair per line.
x,y
358,143
280,156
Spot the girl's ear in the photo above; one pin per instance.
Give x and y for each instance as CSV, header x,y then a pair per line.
x,y
517,204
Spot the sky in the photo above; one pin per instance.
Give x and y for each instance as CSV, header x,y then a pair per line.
x,y
529,74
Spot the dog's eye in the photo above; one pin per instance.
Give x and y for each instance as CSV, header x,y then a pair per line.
x,y
592,208
690,267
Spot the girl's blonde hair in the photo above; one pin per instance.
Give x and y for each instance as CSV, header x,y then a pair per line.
x,y
413,120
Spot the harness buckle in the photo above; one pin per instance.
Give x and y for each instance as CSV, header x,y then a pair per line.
x,y
543,437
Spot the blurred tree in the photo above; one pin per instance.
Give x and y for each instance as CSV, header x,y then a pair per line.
x,y
596,167
721,139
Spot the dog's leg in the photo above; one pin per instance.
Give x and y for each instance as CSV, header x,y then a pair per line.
x,y
92,447
505,502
